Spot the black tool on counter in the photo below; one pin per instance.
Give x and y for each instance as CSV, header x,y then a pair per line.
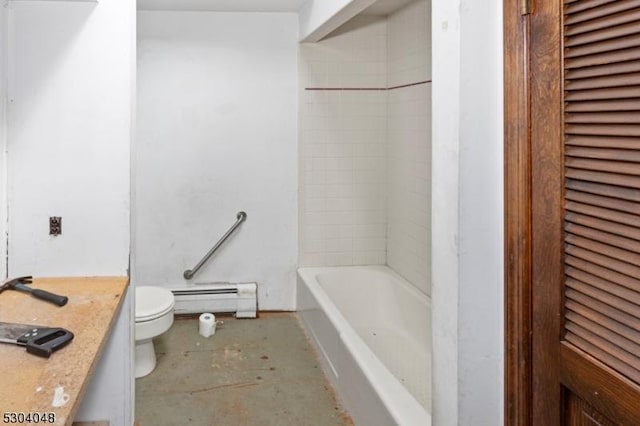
x,y
20,284
39,340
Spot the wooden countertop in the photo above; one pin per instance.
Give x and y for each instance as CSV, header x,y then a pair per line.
x,y
28,383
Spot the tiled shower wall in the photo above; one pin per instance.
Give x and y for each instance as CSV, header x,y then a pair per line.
x,y
365,145
343,152
409,144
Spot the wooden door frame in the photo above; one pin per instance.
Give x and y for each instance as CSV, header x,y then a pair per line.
x,y
533,214
517,199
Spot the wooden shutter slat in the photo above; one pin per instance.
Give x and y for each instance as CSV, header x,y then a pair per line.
x,y
607,33
603,237
631,15
601,11
605,345
611,354
603,225
604,327
605,45
587,293
606,274
613,57
622,117
603,356
604,153
603,94
598,247
606,286
602,142
612,351
608,105
622,193
621,167
616,80
602,70
602,201
603,129
614,179
604,261
583,5
611,215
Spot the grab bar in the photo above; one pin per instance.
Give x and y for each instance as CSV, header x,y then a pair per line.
x,y
189,273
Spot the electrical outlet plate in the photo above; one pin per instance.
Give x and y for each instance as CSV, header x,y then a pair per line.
x,y
55,225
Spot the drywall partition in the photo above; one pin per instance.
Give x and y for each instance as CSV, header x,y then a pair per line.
x,y
318,18
409,143
69,122
444,219
481,322
217,133
467,213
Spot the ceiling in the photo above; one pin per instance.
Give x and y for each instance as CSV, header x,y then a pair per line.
x,y
386,7
380,7
223,5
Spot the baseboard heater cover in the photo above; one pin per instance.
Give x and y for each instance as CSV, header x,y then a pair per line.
x,y
240,298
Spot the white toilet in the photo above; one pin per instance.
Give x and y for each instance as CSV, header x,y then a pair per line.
x,y
154,316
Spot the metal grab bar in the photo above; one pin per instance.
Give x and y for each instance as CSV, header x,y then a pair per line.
x,y
189,273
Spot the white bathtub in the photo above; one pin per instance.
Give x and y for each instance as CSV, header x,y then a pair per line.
x,y
372,330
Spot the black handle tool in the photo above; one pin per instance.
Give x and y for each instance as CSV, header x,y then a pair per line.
x,y
39,340
20,284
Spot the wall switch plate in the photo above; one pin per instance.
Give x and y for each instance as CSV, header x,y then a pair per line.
x,y
55,225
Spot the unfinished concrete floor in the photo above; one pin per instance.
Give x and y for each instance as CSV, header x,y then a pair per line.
x,y
251,372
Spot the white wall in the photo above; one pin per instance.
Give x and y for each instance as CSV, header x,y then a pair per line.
x,y
3,140
69,120
409,143
217,133
467,205
70,82
342,144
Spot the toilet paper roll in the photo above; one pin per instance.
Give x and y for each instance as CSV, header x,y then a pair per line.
x,y
207,325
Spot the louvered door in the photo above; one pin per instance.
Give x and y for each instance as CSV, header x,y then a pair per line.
x,y
602,181
585,112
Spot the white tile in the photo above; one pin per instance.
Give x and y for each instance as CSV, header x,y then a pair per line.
x,y
365,161
314,246
313,232
339,245
316,205
339,163
315,218
313,259
340,259
339,204
369,231
339,177
338,218
339,190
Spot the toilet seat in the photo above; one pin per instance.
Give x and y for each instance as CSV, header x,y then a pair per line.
x,y
152,303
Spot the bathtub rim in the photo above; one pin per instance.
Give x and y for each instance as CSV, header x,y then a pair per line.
x,y
405,409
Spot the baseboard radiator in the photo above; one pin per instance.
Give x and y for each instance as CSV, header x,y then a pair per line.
x,y
240,298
